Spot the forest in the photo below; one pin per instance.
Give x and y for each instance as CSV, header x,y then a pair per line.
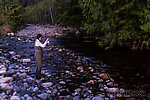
x,y
111,22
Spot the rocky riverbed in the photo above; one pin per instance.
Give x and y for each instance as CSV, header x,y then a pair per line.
x,y
66,75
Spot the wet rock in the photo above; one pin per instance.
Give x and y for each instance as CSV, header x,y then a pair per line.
x,y
7,86
43,96
48,84
15,98
6,79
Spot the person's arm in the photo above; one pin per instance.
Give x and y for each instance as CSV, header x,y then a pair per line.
x,y
42,45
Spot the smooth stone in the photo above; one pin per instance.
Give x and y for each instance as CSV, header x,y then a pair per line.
x,y
27,97
91,82
77,90
7,86
12,53
62,82
2,66
26,60
26,85
76,98
48,84
43,96
98,98
87,99
2,71
105,76
36,89
23,75
112,90
6,80
15,98
11,72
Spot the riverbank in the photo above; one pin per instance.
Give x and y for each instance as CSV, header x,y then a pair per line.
x,y
66,74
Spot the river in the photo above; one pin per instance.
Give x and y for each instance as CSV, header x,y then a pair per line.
x,y
131,69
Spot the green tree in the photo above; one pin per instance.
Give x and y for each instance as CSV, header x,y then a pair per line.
x,y
11,15
117,22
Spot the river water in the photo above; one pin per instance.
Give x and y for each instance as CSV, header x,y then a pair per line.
x,y
131,69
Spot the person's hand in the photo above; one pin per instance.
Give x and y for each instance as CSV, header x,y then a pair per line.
x,y
47,39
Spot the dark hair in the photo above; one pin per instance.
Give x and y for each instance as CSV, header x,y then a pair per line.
x,y
38,36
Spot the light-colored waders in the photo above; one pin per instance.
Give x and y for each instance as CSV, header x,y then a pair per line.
x,y
38,55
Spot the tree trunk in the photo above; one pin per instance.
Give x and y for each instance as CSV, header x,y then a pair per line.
x,y
50,8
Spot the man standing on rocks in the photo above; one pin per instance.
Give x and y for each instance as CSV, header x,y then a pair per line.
x,y
38,53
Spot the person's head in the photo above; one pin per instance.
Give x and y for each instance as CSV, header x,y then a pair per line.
x,y
39,37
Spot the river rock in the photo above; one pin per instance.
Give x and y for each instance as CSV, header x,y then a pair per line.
x,y
43,96
15,98
105,76
48,84
36,89
26,85
18,56
12,53
7,86
2,71
98,98
90,82
26,60
23,75
6,79
111,90
62,82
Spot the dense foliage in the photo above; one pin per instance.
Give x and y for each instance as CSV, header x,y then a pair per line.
x,y
112,22
11,15
118,22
